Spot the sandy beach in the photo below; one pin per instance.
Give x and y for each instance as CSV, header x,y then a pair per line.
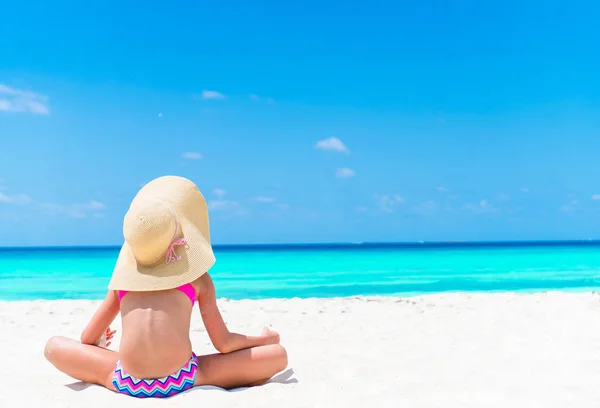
x,y
447,350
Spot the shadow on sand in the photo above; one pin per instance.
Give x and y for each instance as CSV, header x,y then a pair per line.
x,y
80,386
282,378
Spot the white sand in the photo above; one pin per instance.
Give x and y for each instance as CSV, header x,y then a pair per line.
x,y
451,350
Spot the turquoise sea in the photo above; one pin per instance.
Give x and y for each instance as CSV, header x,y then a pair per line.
x,y
303,271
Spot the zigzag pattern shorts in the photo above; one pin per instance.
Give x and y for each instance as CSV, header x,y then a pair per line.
x,y
164,387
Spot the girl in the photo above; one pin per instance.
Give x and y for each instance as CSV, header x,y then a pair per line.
x,y
161,272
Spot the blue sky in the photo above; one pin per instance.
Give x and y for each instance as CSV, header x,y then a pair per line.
x,y
303,122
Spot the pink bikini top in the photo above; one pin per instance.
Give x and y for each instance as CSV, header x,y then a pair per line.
x,y
188,289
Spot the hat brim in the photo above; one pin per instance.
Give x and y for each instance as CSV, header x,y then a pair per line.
x,y
197,258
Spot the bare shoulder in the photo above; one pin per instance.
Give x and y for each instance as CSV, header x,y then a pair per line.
x,y
204,285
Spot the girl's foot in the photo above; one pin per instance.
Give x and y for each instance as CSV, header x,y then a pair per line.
x,y
270,336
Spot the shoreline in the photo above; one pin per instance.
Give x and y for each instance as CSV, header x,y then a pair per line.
x,y
415,295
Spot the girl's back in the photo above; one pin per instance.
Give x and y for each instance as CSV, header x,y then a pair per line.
x,y
155,339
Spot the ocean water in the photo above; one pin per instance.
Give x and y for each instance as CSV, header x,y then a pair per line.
x,y
255,272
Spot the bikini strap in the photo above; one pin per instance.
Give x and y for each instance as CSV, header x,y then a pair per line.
x,y
189,290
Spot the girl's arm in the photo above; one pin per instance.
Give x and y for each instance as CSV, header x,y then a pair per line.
x,y
223,340
101,320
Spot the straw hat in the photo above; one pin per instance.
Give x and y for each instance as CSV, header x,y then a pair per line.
x,y
167,239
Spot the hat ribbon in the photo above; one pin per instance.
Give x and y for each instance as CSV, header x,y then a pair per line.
x,y
171,255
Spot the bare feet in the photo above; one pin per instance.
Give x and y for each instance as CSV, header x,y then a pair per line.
x,y
270,336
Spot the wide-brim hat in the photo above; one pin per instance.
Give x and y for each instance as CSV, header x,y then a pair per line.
x,y
167,237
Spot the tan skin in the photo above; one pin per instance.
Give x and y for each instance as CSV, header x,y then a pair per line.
x,y
155,342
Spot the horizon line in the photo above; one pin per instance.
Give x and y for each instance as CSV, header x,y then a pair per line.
x,y
369,244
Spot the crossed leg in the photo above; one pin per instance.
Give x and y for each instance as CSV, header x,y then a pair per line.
x,y
95,365
83,362
243,368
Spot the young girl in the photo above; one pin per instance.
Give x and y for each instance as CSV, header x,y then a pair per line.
x,y
161,272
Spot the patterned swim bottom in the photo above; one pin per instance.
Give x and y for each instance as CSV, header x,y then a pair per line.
x,y
164,387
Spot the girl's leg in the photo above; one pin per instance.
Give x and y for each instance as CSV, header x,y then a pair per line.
x,y
83,362
241,368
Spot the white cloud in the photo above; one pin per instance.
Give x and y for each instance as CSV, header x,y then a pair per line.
x,y
76,210
192,156
231,207
96,205
219,192
265,200
361,208
212,95
483,206
429,205
255,97
278,211
386,203
344,173
570,206
223,205
18,100
595,197
18,199
426,207
471,207
332,143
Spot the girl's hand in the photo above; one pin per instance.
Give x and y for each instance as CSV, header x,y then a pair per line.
x,y
104,340
108,335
